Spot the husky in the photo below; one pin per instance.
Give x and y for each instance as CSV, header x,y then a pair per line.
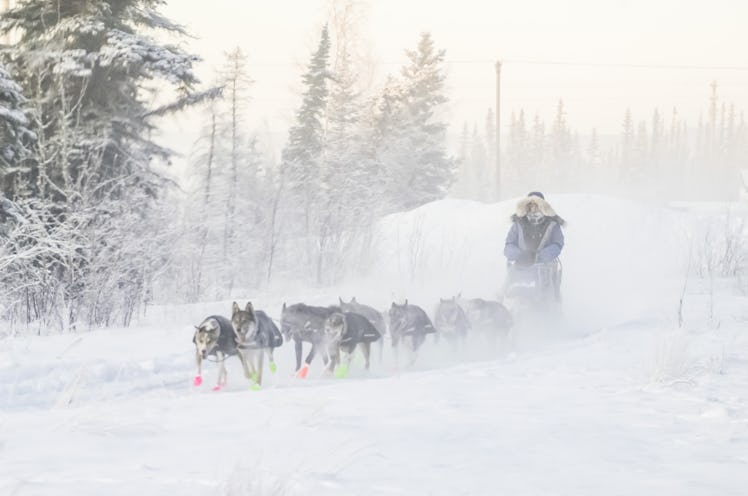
x,y
488,317
486,313
410,324
215,337
344,331
451,321
256,334
372,314
302,323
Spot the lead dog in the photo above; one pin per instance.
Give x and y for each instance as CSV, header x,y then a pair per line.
x,y
256,334
215,337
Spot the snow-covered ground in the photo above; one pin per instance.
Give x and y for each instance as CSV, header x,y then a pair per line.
x,y
614,398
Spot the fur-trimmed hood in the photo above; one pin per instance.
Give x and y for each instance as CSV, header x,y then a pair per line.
x,y
545,208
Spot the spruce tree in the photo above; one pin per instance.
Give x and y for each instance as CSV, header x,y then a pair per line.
x,y
302,156
429,172
15,136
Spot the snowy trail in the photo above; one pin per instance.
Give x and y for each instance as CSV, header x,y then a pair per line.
x,y
574,416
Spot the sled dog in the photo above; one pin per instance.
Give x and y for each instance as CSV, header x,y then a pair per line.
x,y
306,323
451,321
410,324
344,331
256,334
215,337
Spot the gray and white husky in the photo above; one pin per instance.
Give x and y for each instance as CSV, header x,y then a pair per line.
x,y
215,337
488,318
306,323
344,332
410,324
451,321
256,334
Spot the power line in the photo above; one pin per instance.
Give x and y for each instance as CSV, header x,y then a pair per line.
x,y
604,64
568,63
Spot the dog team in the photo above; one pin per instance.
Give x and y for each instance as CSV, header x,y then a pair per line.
x,y
335,332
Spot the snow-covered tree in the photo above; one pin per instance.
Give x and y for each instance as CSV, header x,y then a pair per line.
x,y
302,156
15,135
91,70
429,173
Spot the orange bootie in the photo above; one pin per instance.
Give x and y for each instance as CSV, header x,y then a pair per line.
x,y
303,371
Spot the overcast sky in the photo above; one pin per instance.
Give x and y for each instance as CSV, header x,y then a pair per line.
x,y
279,35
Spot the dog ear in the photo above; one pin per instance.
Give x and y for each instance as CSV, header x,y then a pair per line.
x,y
393,305
341,300
353,300
234,308
284,305
406,302
249,308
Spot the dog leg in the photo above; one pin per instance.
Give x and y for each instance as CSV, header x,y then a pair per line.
x,y
396,349
299,350
198,380
222,373
304,371
260,360
345,363
271,361
366,349
334,368
245,364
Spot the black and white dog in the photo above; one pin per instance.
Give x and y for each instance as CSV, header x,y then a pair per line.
x,y
344,332
215,337
256,334
410,324
306,323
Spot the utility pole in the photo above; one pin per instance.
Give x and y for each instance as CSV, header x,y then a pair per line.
x,y
498,130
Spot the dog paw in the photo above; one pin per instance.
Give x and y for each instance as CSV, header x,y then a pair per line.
x,y
273,367
197,381
217,387
341,371
255,387
303,372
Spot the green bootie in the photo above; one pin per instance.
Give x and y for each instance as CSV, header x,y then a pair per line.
x,y
341,371
273,367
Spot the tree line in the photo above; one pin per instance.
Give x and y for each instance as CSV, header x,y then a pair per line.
x,y
658,157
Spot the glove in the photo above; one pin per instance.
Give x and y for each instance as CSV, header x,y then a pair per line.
x,y
526,258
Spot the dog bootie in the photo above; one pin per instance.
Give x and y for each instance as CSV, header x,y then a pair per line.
x,y
217,387
341,371
273,367
197,381
303,371
255,387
